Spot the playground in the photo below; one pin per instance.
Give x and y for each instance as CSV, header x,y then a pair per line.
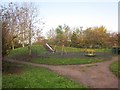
x,y
73,64
44,54
59,45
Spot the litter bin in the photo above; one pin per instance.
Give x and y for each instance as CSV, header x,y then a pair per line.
x,y
116,50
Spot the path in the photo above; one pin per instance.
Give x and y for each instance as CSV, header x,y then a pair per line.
x,y
95,75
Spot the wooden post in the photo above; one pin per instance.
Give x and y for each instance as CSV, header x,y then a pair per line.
x,y
62,49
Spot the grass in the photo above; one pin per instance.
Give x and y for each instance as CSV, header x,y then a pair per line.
x,y
36,49
114,68
72,49
103,50
99,50
67,49
19,51
62,61
34,77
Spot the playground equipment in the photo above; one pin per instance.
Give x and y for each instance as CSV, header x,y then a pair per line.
x,y
90,52
49,48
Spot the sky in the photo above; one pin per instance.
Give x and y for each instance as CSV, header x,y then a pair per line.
x,y
76,13
119,17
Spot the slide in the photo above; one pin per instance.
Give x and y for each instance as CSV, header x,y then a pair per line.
x,y
49,48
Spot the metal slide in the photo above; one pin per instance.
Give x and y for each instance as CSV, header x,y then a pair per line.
x,y
49,48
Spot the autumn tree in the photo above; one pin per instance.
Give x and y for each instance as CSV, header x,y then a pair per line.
x,y
6,37
59,35
51,36
31,23
74,39
19,21
96,37
67,35
13,22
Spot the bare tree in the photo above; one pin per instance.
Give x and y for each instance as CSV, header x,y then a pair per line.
x,y
21,22
32,19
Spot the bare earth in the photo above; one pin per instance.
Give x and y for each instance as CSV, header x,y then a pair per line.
x,y
95,75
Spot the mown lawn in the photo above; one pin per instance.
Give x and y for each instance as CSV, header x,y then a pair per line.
x,y
72,49
65,61
67,49
103,50
35,77
36,49
39,49
115,69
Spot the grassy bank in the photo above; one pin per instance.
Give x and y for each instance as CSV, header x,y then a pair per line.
x,y
115,69
34,77
36,49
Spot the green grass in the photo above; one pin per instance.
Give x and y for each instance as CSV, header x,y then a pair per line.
x,y
36,49
103,50
99,50
114,68
19,51
65,61
72,49
35,77
68,49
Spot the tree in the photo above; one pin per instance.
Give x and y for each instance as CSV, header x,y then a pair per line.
x,y
51,36
74,39
67,35
59,35
20,22
12,23
30,24
114,39
6,37
96,37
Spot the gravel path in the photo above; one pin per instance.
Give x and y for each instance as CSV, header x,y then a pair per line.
x,y
95,75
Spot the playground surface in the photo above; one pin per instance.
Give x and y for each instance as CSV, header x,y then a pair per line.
x,y
81,55
76,54
95,75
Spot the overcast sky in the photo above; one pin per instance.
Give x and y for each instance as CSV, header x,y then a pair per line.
x,y
89,13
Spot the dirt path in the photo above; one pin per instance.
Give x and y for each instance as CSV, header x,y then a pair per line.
x,y
95,75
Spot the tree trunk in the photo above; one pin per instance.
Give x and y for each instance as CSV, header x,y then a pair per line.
x,y
23,45
30,39
29,48
62,50
23,38
30,45
13,46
